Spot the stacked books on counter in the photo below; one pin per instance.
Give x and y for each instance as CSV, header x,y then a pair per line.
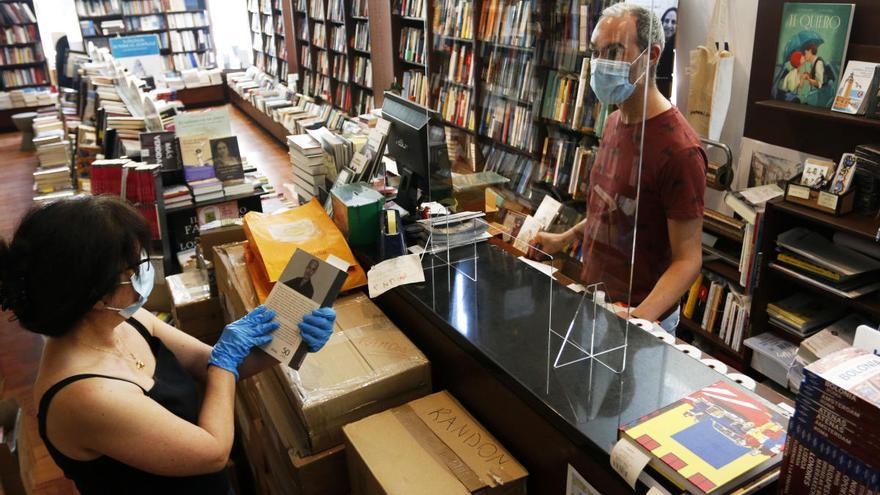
x,y
833,441
839,335
177,195
206,189
832,266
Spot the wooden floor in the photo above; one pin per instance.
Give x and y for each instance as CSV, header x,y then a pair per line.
x,y
19,349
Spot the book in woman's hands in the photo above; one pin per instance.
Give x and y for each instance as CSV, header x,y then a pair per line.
x,y
306,284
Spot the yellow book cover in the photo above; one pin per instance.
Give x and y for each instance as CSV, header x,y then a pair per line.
x,y
693,296
806,265
712,440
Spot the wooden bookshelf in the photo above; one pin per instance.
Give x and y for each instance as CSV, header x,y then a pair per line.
x,y
269,37
24,45
173,18
812,130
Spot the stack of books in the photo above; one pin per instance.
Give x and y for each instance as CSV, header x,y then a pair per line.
x,y
715,440
839,335
177,195
53,149
206,189
810,257
309,165
236,188
52,179
833,441
802,314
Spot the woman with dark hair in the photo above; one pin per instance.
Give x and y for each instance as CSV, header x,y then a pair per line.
x,y
669,21
118,389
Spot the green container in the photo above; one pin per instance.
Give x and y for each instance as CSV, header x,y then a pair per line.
x,y
356,209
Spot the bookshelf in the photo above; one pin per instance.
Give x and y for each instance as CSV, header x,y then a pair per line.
x,y
23,63
269,37
812,130
183,27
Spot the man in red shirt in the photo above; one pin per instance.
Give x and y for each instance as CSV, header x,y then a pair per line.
x,y
661,238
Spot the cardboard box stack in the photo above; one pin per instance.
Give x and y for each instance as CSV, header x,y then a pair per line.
x,y
430,446
194,310
833,443
367,366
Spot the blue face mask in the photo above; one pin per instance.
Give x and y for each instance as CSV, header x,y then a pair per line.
x,y
609,79
142,283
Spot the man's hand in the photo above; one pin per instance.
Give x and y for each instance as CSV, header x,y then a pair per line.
x,y
548,243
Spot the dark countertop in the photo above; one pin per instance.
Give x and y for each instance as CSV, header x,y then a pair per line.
x,y
502,320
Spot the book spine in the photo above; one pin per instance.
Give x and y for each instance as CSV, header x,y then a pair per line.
x,y
810,461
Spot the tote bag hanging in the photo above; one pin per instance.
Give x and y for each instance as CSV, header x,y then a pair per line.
x,y
711,77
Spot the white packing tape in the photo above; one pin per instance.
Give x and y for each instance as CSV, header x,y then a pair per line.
x,y
715,365
664,336
745,381
690,350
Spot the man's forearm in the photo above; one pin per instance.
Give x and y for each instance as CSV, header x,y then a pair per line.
x,y
576,232
674,282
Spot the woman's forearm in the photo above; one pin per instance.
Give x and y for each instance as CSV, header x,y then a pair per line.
x,y
217,414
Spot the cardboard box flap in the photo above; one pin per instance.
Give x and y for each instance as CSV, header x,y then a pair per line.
x,y
475,446
357,310
232,256
407,467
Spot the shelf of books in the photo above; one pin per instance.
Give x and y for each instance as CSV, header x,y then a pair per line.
x,y
508,78
269,39
360,61
22,62
183,27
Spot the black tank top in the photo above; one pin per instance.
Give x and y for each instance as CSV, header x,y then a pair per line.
x,y
176,391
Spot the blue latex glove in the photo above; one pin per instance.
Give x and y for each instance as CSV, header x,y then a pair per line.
x,y
316,328
239,337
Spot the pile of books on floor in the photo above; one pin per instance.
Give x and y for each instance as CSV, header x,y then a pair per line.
x,y
803,314
32,97
309,165
843,266
833,441
206,189
177,195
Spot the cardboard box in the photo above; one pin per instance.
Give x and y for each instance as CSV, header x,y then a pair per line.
x,y
10,476
208,239
234,287
195,311
324,473
429,446
367,366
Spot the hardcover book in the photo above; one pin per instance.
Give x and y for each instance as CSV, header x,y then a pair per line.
x,y
159,147
713,440
812,48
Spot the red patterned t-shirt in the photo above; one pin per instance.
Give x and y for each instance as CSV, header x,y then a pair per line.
x,y
672,186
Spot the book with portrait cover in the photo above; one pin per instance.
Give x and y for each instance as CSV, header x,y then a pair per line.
x,y
812,47
713,440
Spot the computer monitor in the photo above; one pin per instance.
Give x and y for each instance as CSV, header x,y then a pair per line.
x,y
417,141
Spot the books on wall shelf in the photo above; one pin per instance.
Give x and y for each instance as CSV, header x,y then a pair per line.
x,y
857,90
412,45
714,440
16,13
836,268
803,314
361,40
813,41
719,308
409,8
360,8
833,446
19,34
98,8
415,87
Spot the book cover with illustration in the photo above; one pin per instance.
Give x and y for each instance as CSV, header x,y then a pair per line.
x,y
713,440
812,49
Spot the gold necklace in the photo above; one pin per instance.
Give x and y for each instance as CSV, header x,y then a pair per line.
x,y
137,362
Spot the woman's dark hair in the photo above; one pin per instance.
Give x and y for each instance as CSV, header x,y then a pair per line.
x,y
65,257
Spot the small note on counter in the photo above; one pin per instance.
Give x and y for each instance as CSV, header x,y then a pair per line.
x,y
537,265
628,461
394,272
575,484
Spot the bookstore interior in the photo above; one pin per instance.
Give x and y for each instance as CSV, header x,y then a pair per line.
x,y
523,246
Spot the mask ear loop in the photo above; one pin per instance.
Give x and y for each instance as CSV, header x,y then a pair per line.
x,y
633,63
